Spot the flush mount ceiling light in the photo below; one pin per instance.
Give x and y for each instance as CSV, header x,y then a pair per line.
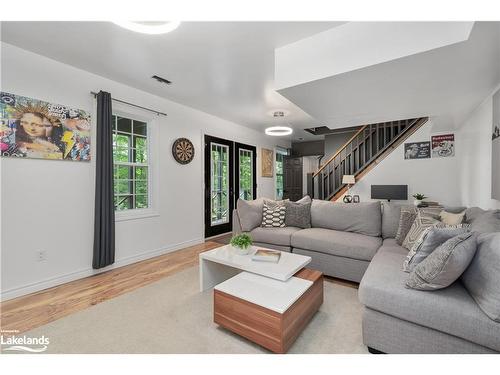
x,y
149,27
279,130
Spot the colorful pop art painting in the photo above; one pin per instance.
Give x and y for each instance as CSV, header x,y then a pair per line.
x,y
31,128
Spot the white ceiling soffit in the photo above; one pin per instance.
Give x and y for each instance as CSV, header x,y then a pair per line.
x,y
357,45
413,73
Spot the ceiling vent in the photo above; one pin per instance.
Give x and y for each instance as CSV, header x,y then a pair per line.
x,y
162,80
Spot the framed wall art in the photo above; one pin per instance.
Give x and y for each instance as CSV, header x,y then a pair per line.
x,y
32,128
267,157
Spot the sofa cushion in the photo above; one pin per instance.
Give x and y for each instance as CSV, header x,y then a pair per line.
x,y
344,244
482,278
275,236
451,310
273,215
250,213
391,214
472,214
450,218
298,214
488,222
408,215
363,218
421,223
445,264
431,240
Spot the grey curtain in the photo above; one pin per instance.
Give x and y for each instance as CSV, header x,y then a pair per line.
x,y
104,216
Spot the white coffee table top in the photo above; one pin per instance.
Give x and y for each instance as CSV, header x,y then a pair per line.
x,y
288,265
269,293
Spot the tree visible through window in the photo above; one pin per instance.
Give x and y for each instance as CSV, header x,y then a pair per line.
x,y
279,174
131,165
246,174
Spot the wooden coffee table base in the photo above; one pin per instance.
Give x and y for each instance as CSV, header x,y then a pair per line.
x,y
268,328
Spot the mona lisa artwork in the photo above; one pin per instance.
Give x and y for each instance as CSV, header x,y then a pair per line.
x,y
31,128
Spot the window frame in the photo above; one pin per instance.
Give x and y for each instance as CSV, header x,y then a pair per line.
x,y
284,152
151,143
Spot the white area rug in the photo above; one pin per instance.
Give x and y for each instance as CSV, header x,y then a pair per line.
x,y
172,316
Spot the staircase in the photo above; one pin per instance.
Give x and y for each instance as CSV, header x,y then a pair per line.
x,y
368,147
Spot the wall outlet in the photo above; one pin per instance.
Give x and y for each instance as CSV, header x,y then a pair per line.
x,y
41,255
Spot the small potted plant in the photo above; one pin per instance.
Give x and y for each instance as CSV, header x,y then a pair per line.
x,y
418,199
241,243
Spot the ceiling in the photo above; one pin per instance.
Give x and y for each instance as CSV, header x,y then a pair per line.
x,y
222,68
446,83
228,69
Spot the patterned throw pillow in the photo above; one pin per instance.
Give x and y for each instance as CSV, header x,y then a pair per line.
x,y
430,239
273,215
406,219
445,264
421,223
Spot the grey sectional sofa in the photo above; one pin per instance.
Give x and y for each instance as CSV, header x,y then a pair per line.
x,y
342,239
356,242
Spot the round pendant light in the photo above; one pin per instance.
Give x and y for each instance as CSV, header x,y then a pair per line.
x,y
149,28
279,130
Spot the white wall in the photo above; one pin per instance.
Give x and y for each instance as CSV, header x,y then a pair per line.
x,y
463,180
48,205
476,158
437,178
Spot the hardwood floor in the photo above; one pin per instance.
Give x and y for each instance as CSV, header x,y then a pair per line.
x,y
25,313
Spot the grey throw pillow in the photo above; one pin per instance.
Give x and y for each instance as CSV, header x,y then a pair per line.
x,y
250,213
431,239
488,222
421,223
482,278
472,214
406,219
273,215
445,264
298,215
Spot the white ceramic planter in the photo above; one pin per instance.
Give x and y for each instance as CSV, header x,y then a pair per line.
x,y
241,251
417,202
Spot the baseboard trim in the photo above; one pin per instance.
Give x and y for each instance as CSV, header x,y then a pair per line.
x,y
72,276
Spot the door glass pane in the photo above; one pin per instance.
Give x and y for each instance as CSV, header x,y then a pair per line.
x,y
279,176
219,177
246,174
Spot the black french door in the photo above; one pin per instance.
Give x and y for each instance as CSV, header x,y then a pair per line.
x,y
245,173
230,174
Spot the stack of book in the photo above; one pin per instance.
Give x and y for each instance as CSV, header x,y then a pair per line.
x,y
264,255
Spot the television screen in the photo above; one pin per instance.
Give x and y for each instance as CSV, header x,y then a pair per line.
x,y
397,192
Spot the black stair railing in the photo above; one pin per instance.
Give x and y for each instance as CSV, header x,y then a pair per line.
x,y
358,153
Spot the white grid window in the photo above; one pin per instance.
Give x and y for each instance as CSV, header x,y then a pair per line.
x,y
131,164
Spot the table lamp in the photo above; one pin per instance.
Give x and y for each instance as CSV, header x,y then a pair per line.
x,y
349,180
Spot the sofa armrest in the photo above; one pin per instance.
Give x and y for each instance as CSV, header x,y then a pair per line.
x,y
236,223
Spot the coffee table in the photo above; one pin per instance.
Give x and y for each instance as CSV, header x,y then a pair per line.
x,y
267,303
223,263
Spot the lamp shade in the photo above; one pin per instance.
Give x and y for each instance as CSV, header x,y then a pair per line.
x,y
348,179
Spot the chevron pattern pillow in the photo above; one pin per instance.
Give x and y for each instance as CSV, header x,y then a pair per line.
x,y
273,215
421,223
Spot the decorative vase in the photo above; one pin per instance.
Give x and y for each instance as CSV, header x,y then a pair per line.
x,y
417,202
241,250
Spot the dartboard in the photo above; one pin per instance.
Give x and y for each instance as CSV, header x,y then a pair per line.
x,y
183,150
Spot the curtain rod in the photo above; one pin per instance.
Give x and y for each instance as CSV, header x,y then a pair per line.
x,y
134,105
